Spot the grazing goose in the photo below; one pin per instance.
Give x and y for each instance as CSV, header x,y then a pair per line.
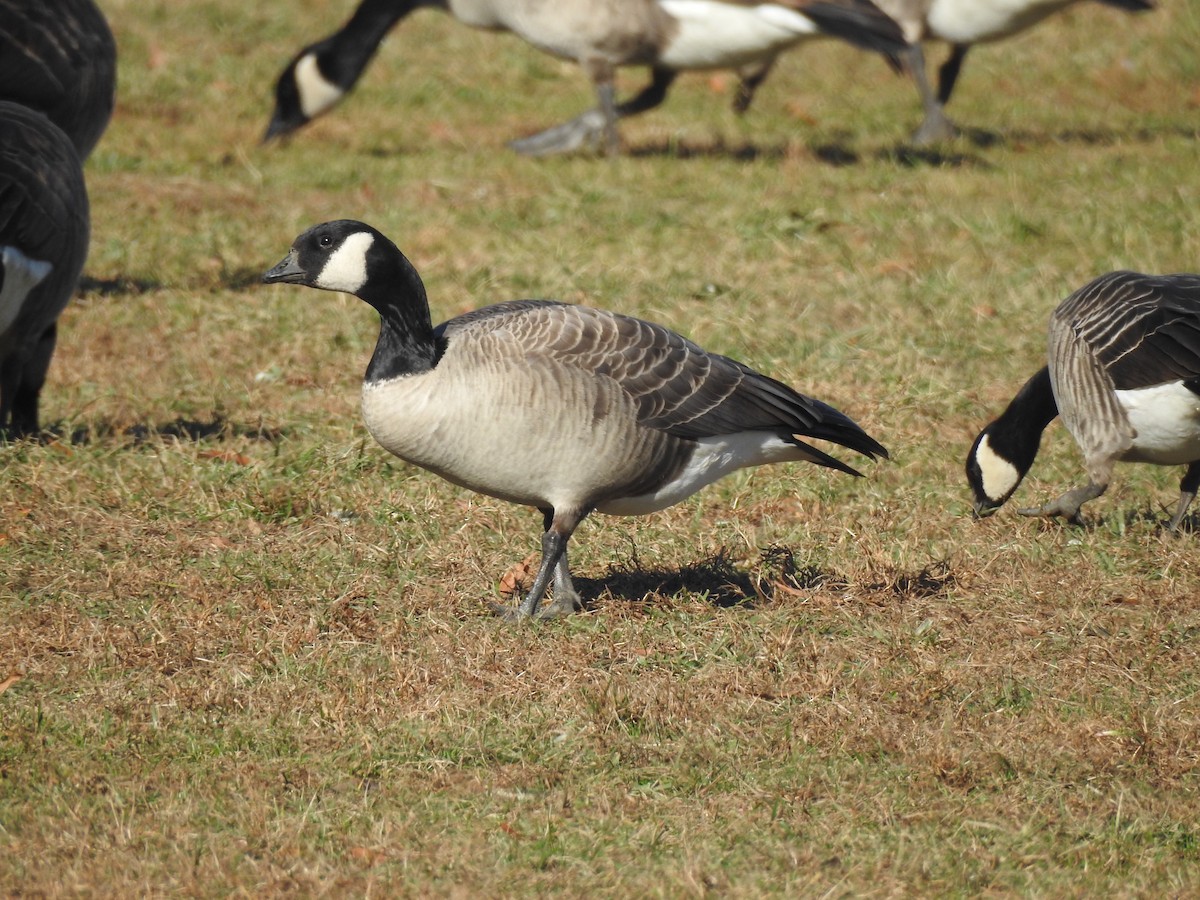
x,y
670,36
59,57
43,243
1124,374
963,23
564,408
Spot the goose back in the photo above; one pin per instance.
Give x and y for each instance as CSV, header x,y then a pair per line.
x,y
59,57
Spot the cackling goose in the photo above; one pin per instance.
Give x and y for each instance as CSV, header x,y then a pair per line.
x,y
670,36
1124,373
963,23
611,413
43,243
59,57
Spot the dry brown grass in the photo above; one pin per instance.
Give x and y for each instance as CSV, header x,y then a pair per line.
x,y
242,652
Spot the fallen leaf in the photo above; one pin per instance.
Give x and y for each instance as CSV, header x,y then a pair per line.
x,y
518,577
9,682
718,82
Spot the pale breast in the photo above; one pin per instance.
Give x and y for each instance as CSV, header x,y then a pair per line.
x,y
529,431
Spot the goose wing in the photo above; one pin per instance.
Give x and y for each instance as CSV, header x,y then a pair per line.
x,y
1142,330
677,386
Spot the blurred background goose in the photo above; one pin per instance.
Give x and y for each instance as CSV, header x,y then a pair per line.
x,y
564,408
59,57
44,229
963,23
670,36
1124,374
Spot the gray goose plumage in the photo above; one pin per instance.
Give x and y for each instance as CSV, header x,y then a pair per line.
x,y
564,408
962,24
669,36
59,57
1124,374
44,228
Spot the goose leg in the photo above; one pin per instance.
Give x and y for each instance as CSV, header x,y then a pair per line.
x,y
31,380
948,73
1068,504
1187,493
11,371
559,528
588,128
936,126
750,77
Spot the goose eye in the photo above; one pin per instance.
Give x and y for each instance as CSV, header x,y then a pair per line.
x,y
325,240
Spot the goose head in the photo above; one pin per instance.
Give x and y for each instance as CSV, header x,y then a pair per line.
x,y
344,255
302,93
992,473
1004,451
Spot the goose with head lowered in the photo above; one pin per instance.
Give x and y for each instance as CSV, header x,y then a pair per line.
x,y
962,24
669,36
564,408
59,57
1124,374
44,230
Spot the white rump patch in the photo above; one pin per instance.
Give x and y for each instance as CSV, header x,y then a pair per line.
x,y
715,35
346,268
316,93
1000,477
21,275
715,457
1166,418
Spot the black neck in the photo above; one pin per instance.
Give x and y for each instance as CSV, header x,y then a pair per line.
x,y
407,344
1017,434
344,55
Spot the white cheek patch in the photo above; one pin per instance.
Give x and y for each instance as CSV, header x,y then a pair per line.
x,y
316,93
21,275
1000,477
346,268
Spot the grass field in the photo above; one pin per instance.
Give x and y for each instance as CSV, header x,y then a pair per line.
x,y
245,652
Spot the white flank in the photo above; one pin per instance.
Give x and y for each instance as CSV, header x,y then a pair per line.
x,y
316,93
1000,477
979,21
21,275
715,457
346,268
715,35
1166,418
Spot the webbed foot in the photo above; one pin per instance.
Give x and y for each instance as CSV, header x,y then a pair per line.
x,y
586,130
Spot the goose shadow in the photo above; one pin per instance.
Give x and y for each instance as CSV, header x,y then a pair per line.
x,y
181,429
836,153
715,578
986,139
777,574
111,287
